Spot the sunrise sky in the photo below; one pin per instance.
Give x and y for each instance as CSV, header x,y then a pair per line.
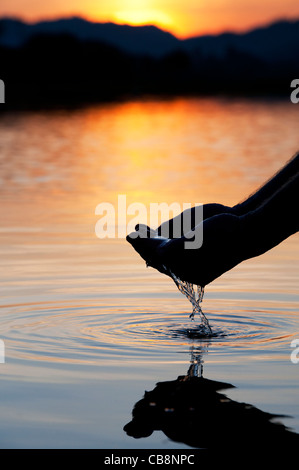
x,y
181,17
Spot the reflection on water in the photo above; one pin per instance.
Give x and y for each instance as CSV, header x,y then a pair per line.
x,y
86,327
193,410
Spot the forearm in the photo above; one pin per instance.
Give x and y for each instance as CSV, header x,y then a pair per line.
x,y
276,220
268,190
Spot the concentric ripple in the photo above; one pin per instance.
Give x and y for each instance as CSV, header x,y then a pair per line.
x,y
86,332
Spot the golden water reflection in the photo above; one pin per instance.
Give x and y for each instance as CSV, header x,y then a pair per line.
x,y
83,315
57,166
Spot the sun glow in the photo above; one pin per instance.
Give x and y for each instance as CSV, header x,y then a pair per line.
x,y
139,17
182,18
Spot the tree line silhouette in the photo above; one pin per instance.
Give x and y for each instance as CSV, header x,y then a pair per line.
x,y
63,70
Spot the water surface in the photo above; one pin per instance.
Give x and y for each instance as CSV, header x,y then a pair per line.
x,y
87,328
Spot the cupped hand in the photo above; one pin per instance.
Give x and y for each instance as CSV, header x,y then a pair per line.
x,y
223,247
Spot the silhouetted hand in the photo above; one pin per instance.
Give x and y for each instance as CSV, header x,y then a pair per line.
x,y
230,234
224,246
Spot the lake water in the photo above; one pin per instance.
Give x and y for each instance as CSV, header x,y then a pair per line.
x,y
86,327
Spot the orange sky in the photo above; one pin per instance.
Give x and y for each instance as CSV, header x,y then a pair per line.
x,y
181,17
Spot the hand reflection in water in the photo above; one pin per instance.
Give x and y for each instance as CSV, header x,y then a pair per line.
x,y
193,410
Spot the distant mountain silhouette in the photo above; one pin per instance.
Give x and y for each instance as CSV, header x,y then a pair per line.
x,y
131,39
73,61
279,40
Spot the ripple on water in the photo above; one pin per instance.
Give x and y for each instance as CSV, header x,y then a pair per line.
x,y
85,332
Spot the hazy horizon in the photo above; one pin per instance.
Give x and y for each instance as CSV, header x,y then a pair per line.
x,y
182,20
94,21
